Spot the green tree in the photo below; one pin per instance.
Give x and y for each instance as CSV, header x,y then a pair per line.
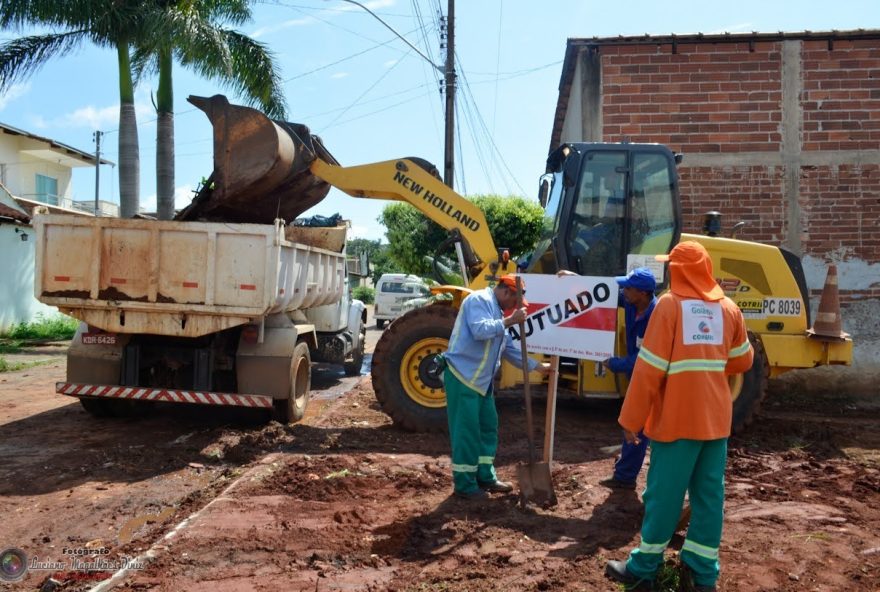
x,y
378,253
114,24
514,222
194,33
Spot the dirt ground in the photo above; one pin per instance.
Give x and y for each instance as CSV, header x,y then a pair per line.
x,y
345,501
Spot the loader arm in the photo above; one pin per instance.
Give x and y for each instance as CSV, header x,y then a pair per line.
x,y
406,181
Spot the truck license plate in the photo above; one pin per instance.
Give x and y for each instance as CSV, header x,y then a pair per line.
x,y
98,339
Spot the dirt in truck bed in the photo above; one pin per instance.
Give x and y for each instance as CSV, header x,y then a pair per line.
x,y
345,501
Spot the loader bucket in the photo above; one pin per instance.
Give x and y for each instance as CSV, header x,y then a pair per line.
x,y
261,167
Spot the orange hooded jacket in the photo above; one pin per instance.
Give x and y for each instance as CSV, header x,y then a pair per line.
x,y
694,340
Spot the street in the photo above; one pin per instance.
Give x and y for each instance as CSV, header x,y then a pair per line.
x,y
199,499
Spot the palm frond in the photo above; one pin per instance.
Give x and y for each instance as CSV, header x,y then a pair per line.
x,y
21,57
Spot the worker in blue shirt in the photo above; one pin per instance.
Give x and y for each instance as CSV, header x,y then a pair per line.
x,y
478,342
638,300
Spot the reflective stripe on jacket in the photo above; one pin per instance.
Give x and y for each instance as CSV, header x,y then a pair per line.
x,y
679,387
477,340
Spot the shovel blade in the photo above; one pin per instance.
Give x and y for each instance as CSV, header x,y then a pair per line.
x,y
535,483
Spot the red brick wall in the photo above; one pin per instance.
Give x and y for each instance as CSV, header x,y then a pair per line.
x,y
723,98
841,97
705,98
752,194
840,209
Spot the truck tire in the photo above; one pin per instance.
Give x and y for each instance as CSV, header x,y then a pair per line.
x,y
353,367
292,408
123,408
750,388
405,387
95,407
380,323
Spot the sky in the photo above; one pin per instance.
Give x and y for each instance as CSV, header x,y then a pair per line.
x,y
371,97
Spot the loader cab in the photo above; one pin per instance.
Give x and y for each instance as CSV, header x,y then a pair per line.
x,y
607,207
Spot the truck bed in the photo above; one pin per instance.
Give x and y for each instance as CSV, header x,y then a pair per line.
x,y
183,279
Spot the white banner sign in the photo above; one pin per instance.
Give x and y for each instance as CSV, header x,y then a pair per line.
x,y
571,316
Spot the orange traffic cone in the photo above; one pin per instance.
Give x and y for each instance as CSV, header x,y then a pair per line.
x,y
828,324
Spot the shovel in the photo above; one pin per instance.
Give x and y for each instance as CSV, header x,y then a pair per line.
x,y
535,482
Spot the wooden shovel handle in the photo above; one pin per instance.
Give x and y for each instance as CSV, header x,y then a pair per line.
x,y
525,368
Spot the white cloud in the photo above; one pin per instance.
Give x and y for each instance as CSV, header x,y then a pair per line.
x,y
738,28
390,63
299,22
15,91
371,232
93,117
339,75
372,5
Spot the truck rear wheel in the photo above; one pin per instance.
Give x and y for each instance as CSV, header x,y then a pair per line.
x,y
750,388
404,377
99,407
293,407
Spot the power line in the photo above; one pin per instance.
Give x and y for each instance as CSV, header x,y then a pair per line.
x,y
360,53
363,94
485,129
410,100
497,63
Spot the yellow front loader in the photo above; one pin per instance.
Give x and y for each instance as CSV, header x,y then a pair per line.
x,y
608,208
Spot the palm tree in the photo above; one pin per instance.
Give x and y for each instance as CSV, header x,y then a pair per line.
x,y
116,24
193,34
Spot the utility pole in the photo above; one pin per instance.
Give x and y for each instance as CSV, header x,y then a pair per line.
x,y
449,154
97,136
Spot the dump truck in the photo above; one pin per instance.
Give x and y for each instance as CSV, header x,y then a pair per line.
x,y
198,312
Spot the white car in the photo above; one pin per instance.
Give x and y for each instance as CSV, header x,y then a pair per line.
x,y
393,291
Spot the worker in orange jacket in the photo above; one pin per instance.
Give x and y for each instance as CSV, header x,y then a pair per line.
x,y
680,396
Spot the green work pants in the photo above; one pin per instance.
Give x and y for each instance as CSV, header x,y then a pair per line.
x,y
695,467
473,432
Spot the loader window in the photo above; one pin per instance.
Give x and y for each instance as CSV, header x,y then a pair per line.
x,y
595,238
652,222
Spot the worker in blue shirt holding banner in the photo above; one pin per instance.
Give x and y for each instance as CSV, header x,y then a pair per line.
x,y
478,342
637,299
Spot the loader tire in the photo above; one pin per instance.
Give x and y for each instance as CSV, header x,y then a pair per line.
x,y
404,375
293,407
750,389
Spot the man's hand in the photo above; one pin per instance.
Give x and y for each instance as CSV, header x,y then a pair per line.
x,y
516,317
564,272
544,369
631,437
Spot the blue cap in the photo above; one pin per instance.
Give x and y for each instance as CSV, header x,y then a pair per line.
x,y
639,278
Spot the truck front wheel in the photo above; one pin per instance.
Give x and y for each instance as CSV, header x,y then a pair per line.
x,y
292,408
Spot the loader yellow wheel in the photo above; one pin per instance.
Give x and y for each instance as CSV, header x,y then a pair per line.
x,y
418,374
749,389
404,371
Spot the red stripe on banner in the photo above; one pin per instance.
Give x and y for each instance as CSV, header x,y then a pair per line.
x,y
248,287
598,319
117,280
190,284
62,278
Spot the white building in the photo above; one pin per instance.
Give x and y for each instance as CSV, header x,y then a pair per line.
x,y
34,171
